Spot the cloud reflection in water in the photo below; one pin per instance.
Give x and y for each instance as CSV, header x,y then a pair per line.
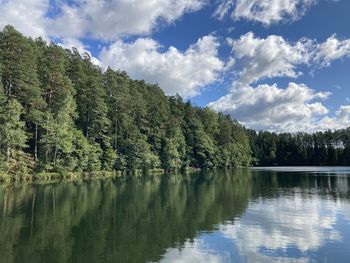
x,y
288,228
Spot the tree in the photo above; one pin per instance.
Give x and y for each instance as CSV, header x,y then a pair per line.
x,y
90,97
12,135
140,155
174,152
61,110
59,117
20,80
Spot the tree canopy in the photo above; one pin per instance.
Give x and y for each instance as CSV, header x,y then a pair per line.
x,y
329,148
59,112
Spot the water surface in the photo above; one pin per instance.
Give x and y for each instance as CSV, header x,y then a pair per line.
x,y
248,215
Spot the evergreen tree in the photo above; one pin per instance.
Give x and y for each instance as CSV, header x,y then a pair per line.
x,y
12,135
20,80
174,152
58,92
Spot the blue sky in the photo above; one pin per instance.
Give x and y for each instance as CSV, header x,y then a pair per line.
x,y
280,65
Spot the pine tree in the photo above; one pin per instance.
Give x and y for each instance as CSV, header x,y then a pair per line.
x,y
20,79
60,105
90,97
80,119
116,86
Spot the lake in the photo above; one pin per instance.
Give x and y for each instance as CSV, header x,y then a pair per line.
x,y
248,215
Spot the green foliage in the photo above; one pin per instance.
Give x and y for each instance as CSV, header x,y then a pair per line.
x,y
140,155
11,127
86,154
20,79
174,152
301,149
109,157
12,137
61,113
58,122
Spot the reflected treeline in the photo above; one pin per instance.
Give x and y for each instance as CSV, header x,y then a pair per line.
x,y
270,184
135,219
132,220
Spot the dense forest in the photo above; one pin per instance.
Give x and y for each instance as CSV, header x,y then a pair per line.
x,y
330,148
59,113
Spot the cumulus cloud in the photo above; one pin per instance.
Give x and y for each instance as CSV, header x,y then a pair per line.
x,y
272,108
266,12
331,50
296,107
269,57
340,121
109,19
100,19
28,16
176,72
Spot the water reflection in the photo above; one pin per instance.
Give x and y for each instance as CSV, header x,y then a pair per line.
x,y
291,218
287,227
242,216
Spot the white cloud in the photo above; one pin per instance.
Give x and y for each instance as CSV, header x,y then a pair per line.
x,y
331,50
269,57
28,16
294,108
109,19
341,120
271,108
100,19
176,72
266,12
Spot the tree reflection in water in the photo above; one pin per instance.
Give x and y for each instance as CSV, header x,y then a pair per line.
x,y
261,215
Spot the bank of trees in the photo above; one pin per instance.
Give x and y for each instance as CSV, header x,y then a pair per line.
x,y
328,148
59,112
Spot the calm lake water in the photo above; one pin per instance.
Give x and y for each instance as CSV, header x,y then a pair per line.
x,y
249,215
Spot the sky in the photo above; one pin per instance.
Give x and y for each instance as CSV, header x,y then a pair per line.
x,y
277,65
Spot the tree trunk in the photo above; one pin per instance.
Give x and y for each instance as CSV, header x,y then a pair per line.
x,y
55,156
8,153
36,143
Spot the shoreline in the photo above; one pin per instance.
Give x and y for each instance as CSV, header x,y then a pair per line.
x,y
76,176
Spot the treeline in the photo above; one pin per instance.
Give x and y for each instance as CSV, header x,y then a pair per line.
x,y
59,112
330,148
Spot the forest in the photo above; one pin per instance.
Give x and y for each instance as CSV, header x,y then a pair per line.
x,y
329,148
61,113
